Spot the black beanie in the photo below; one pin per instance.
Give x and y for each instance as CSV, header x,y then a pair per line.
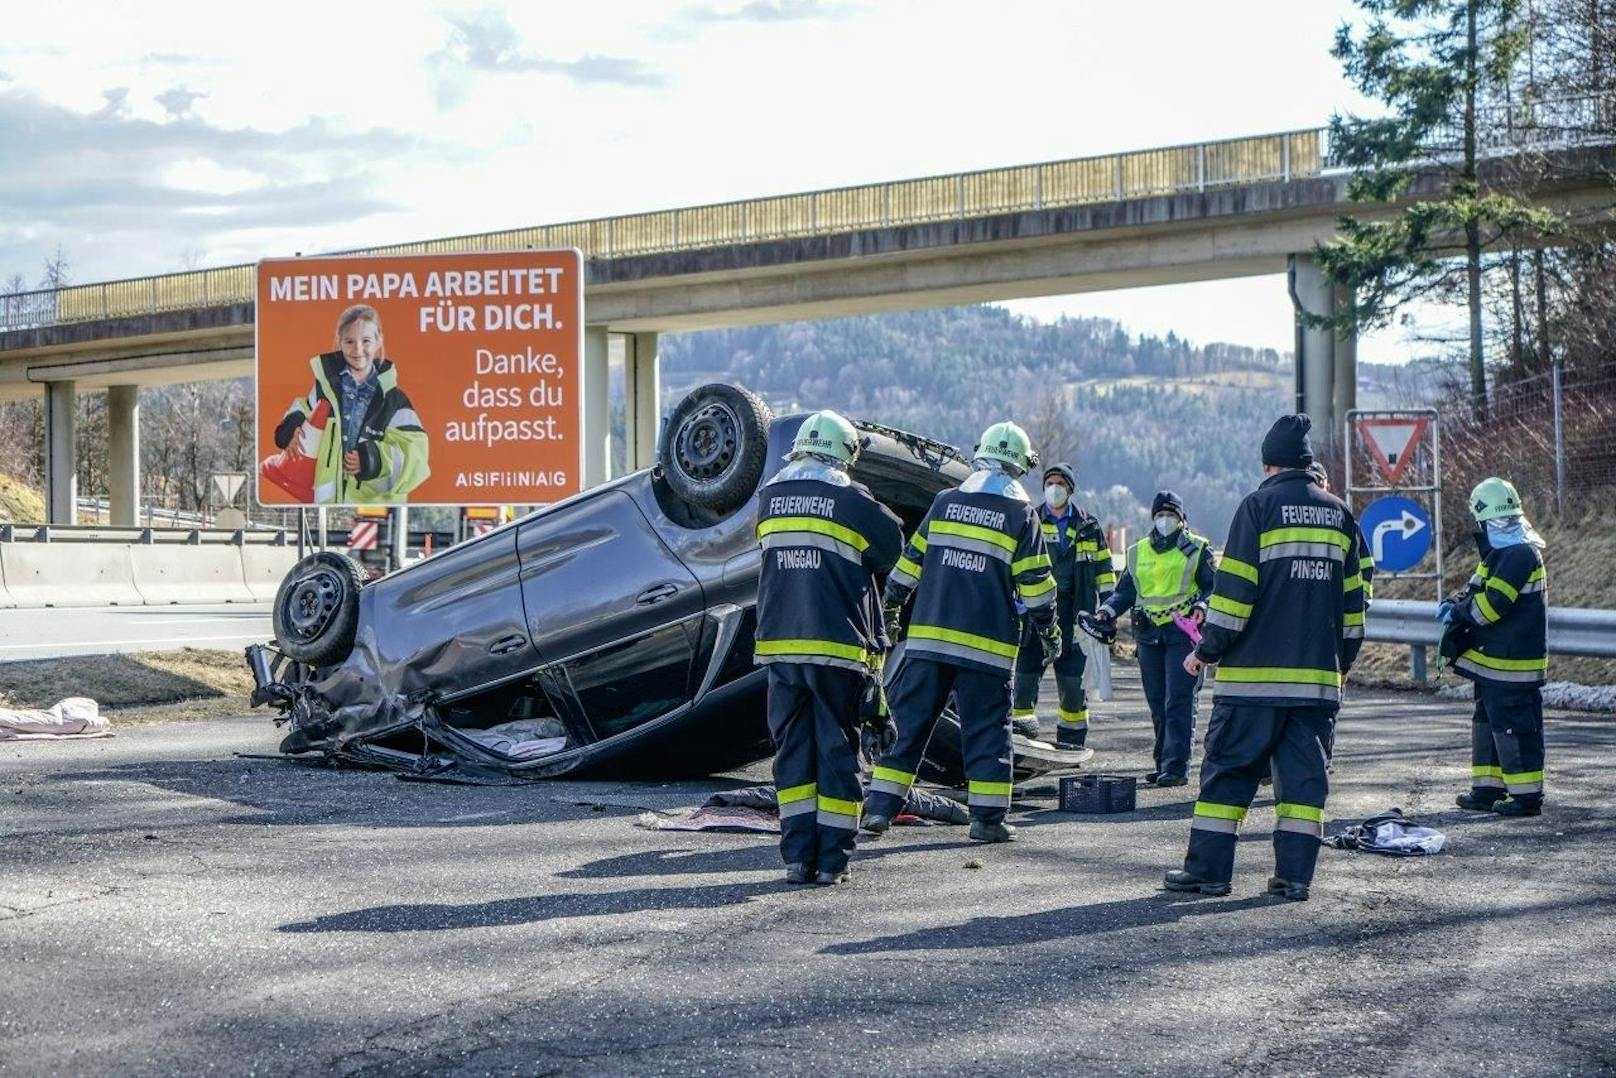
x,y
1286,444
1166,499
1065,472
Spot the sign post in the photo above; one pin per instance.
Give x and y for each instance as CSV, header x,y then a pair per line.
x,y
1394,485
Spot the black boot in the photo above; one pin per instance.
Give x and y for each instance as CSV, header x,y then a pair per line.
x,y
1295,892
828,879
1171,780
1479,800
982,831
1179,880
1070,740
1510,806
875,823
798,874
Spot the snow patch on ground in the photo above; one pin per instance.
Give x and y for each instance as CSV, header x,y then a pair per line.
x,y
1567,695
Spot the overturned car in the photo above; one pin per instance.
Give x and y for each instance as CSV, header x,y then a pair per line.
x,y
608,634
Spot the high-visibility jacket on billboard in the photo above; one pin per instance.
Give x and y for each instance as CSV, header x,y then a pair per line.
x,y
1286,617
392,447
978,549
825,539
1508,610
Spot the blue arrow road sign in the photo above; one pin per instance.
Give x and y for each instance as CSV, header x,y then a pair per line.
x,y
1398,531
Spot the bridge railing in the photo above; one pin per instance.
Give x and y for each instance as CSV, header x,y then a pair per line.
x,y
1051,184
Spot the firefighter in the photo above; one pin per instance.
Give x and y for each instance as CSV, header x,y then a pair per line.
x,y
1081,561
977,551
1499,621
825,539
1170,571
1284,624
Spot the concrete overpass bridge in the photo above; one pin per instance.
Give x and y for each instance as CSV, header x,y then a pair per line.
x,y
1199,212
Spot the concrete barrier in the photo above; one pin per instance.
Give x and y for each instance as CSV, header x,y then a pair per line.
x,y
180,573
264,567
69,574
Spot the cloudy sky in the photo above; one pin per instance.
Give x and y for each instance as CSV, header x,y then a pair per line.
x,y
153,137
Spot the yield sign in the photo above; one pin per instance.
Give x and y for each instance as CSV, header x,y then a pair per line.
x,y
228,484
1391,442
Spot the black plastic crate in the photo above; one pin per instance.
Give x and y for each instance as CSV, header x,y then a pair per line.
x,y
1099,793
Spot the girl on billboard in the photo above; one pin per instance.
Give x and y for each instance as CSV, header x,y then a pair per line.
x,y
355,439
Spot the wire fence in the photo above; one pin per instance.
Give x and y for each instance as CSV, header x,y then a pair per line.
x,y
1553,435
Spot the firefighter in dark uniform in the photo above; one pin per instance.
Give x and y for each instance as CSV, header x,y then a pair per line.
x,y
1499,629
825,539
1284,625
1081,560
1170,571
977,551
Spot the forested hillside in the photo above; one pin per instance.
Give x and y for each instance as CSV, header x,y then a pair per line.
x,y
1130,412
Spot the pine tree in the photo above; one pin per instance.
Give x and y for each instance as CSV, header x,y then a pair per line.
x,y
1437,66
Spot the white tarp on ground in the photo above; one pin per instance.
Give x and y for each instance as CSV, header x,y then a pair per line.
x,y
77,716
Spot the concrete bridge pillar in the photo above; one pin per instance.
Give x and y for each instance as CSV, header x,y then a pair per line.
x,y
123,456
1326,359
643,409
597,419
61,453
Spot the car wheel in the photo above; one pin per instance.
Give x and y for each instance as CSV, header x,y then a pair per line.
x,y
716,445
317,609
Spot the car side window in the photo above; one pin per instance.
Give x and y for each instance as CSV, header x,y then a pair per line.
x,y
623,685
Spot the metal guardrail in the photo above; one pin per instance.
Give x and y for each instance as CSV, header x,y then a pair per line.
x,y
1075,181
91,533
1572,631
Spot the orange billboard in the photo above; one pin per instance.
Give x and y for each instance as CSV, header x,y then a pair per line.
x,y
444,379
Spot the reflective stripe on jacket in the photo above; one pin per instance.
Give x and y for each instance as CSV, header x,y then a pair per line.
x,y
1507,604
1286,617
977,551
824,540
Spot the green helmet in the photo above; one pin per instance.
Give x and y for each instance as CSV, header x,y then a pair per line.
x,y
828,435
1007,443
1494,498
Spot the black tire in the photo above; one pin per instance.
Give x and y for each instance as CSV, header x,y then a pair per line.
x,y
716,445
317,609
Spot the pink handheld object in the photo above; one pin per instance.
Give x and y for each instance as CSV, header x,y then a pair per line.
x,y
1191,630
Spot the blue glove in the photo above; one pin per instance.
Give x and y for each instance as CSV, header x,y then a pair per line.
x,y
1445,612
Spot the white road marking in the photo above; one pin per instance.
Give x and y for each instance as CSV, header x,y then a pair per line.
x,y
178,640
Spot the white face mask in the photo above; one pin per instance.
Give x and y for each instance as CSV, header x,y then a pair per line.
x,y
1055,495
1166,524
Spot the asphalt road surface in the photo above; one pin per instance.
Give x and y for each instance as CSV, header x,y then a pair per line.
x,y
167,907
103,630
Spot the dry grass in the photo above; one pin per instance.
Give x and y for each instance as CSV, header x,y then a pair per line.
x,y
19,503
168,686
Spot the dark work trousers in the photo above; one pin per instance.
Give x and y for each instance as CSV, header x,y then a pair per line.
x,y
1241,743
916,698
1506,743
1072,719
1171,693
813,719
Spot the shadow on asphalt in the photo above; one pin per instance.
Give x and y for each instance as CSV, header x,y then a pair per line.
x,y
753,858
440,917
1162,908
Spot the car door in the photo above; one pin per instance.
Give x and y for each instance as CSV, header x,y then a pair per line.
x,y
617,617
455,622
